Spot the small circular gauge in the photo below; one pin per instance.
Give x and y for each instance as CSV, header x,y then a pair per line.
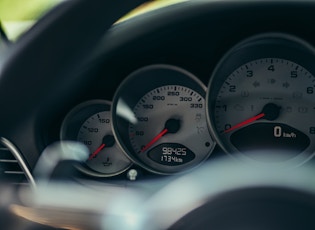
x,y
263,103
90,123
160,121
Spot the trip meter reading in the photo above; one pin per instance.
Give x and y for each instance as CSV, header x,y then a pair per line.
x,y
162,124
266,106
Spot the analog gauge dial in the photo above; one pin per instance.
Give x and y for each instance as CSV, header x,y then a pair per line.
x,y
164,135
90,123
266,106
165,126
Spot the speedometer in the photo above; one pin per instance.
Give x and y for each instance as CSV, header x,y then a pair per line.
x,y
159,119
167,116
266,105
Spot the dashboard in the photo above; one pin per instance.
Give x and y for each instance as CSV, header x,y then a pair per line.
x,y
165,120
168,92
179,97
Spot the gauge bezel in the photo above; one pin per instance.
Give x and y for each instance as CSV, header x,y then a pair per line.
x,y
138,84
262,46
72,124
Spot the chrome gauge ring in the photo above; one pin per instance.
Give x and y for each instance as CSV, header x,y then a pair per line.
x,y
90,123
261,100
159,119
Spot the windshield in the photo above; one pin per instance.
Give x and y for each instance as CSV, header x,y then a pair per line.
x,y
17,16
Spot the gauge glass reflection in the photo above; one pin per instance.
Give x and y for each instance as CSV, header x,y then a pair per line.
x,y
90,123
266,106
161,123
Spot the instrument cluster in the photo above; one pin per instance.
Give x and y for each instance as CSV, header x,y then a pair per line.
x,y
259,100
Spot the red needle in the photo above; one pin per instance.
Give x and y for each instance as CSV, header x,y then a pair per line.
x,y
97,151
107,141
171,126
248,121
155,139
269,112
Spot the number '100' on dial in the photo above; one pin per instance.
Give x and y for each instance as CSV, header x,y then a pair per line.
x,y
166,130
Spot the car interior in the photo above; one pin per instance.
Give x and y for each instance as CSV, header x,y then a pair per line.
x,y
186,114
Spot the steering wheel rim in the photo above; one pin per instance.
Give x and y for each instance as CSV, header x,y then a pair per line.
x,y
49,54
21,60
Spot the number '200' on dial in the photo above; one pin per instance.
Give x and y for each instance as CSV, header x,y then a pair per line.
x,y
171,128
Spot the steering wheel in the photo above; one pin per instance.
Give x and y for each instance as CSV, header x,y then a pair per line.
x,y
49,57
36,76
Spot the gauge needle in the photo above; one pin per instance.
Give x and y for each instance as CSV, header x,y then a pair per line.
x,y
269,112
248,121
171,126
108,141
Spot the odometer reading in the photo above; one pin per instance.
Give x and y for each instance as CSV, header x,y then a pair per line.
x,y
171,154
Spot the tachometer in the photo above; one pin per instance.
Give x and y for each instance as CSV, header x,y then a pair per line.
x,y
265,105
159,119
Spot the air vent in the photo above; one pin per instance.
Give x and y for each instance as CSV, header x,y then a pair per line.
x,y
12,168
